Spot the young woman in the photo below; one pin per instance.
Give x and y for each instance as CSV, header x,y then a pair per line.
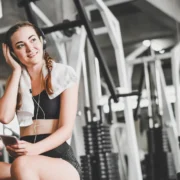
x,y
44,96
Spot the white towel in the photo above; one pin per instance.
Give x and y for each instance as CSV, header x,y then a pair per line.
x,y
62,77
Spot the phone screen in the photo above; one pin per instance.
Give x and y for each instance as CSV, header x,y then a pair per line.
x,y
8,140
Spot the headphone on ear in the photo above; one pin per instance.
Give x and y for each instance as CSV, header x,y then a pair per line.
x,y
41,35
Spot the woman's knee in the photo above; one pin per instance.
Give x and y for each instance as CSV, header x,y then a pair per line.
x,y
23,168
19,165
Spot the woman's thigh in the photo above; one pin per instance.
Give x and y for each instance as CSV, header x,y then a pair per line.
x,y
49,168
5,171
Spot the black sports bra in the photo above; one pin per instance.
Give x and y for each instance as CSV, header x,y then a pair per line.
x,y
48,108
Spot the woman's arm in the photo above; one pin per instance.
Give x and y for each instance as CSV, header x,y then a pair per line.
x,y
9,99
68,109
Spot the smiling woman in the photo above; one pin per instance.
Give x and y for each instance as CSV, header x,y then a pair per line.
x,y
27,46
40,91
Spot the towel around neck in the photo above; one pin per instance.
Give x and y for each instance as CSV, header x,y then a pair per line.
x,y
62,77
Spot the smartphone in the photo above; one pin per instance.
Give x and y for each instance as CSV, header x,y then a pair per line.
x,y
9,140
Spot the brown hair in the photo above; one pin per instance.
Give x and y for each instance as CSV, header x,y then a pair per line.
x,y
48,59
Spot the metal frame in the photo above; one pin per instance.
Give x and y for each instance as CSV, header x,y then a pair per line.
x,y
148,94
86,90
98,79
92,81
4,29
149,58
1,11
168,113
175,125
166,110
157,66
76,52
96,48
115,35
2,82
76,60
2,127
131,57
108,3
176,81
1,90
118,136
169,121
62,26
28,9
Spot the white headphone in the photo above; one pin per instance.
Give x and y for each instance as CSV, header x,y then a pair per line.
x,y
35,125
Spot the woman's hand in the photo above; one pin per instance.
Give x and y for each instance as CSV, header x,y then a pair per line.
x,y
21,148
9,59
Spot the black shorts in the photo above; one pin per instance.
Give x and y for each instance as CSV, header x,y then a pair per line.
x,y
63,151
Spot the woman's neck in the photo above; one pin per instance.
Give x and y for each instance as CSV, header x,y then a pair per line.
x,y
35,71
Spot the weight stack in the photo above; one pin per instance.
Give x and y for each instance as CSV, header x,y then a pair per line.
x,y
160,165
99,163
86,164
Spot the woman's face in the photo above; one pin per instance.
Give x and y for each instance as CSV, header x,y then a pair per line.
x,y
27,46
